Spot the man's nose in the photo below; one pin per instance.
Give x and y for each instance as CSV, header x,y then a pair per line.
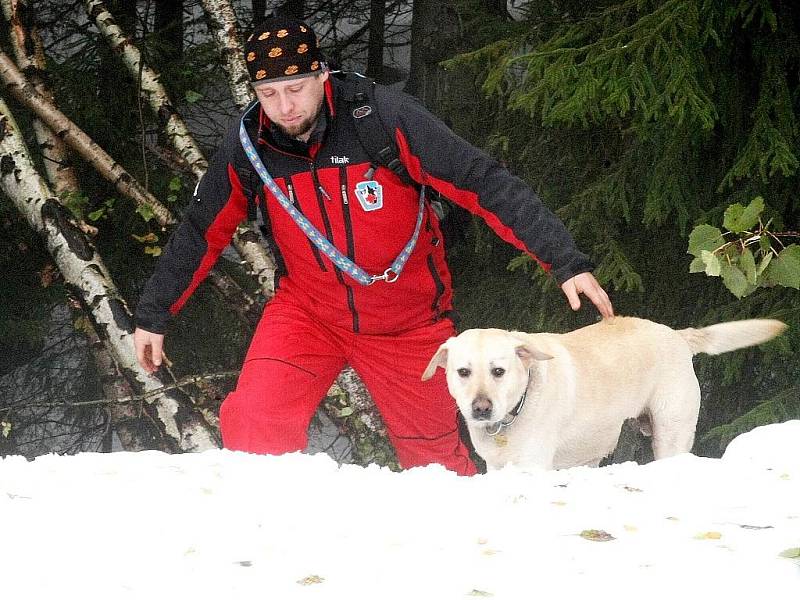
x,y
285,104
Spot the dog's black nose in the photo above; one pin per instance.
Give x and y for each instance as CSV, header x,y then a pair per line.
x,y
481,408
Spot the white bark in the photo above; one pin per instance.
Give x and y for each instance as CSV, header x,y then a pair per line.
x,y
226,32
151,87
82,268
246,242
77,139
29,52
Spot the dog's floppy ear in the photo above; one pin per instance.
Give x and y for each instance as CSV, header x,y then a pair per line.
x,y
439,360
527,354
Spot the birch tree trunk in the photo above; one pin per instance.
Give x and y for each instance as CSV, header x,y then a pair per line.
x,y
246,241
150,86
29,53
179,425
81,143
224,27
133,431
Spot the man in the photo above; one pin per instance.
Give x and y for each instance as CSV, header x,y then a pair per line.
x,y
342,212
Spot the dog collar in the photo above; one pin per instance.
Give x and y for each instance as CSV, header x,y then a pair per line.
x,y
506,421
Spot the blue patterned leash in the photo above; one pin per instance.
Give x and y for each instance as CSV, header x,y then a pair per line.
x,y
346,265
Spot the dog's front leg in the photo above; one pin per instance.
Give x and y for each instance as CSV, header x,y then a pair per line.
x,y
536,452
540,459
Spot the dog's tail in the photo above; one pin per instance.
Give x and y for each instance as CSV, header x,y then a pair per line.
x,y
724,337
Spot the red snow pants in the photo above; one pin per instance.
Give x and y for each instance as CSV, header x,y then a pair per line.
x,y
292,361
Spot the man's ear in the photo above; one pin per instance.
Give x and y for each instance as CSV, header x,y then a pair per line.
x,y
527,354
439,360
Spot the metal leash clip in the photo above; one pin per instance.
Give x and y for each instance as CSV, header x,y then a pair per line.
x,y
389,276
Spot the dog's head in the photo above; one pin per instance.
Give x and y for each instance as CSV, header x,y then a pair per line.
x,y
487,371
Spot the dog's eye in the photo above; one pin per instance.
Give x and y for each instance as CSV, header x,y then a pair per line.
x,y
498,372
463,372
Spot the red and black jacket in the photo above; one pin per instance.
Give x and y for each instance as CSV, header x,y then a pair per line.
x,y
322,186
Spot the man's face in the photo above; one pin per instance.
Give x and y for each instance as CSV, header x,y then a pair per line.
x,y
293,105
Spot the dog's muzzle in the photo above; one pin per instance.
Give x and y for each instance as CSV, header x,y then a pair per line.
x,y
481,408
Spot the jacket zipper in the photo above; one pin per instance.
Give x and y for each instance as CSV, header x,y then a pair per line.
x,y
351,249
322,196
314,249
437,280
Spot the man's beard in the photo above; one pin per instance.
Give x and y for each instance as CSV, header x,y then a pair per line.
x,y
304,126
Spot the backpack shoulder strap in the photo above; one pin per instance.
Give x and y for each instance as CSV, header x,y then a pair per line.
x,y
251,184
359,92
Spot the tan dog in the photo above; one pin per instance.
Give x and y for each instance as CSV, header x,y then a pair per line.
x,y
559,400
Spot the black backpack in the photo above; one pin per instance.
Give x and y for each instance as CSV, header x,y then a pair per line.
x,y
380,146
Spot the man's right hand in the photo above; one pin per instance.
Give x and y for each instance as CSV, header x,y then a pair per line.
x,y
148,349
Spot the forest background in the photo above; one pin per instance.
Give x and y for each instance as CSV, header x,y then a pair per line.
x,y
664,133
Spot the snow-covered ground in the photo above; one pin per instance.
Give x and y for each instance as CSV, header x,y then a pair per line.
x,y
227,525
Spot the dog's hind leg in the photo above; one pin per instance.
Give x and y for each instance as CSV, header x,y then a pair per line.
x,y
673,416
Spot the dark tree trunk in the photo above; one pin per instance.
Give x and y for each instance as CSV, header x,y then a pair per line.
x,y
419,30
169,30
124,12
434,34
259,10
377,19
292,8
498,8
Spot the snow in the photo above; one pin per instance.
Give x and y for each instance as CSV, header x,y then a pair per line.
x,y
223,524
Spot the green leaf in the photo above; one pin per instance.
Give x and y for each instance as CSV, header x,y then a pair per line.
x,y
175,184
712,263
76,202
764,263
153,250
698,265
522,261
145,239
748,265
5,428
96,215
172,198
734,280
785,268
192,96
145,211
704,237
738,218
346,411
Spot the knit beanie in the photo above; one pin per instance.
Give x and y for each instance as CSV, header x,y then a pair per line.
x,y
282,48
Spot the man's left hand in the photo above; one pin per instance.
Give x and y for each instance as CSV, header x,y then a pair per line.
x,y
585,283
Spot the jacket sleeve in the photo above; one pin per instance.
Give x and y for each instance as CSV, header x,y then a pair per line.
x,y
217,207
437,157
